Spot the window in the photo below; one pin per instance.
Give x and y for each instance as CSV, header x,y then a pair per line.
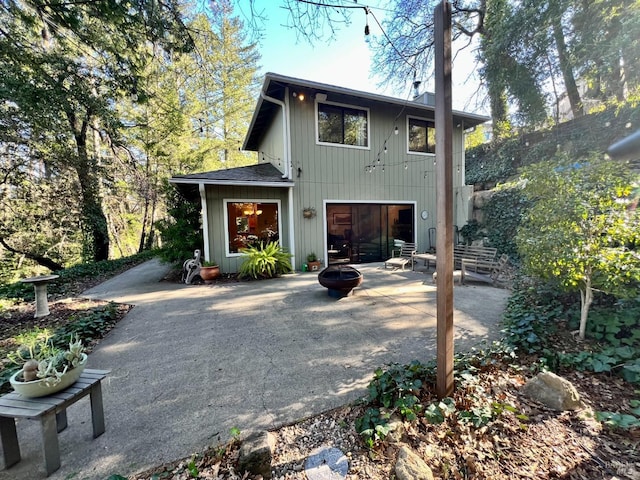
x,y
422,136
339,124
251,222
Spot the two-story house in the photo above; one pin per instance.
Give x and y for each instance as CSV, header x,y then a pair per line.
x,y
341,173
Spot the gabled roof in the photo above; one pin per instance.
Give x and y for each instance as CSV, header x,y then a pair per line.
x,y
263,174
275,86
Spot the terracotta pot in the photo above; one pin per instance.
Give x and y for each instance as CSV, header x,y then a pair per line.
x,y
209,273
313,266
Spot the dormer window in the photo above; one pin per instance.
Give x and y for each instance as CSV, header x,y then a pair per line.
x,y
342,125
421,135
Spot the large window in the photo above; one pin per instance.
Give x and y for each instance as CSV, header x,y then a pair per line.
x,y
422,136
251,222
343,125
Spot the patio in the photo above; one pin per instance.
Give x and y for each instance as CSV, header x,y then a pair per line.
x,y
188,363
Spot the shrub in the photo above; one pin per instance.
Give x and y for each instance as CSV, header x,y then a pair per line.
x,y
265,261
181,233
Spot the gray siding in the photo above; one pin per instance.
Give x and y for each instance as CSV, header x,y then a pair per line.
x,y
338,174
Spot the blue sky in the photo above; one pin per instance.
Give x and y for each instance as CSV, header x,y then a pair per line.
x,y
344,61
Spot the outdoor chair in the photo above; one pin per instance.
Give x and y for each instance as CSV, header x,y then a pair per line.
x,y
472,269
405,256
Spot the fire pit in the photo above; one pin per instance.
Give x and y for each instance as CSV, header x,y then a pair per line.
x,y
340,280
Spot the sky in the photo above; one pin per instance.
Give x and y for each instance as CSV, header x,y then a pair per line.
x,y
346,60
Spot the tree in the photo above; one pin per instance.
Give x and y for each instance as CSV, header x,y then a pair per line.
x,y
64,65
580,230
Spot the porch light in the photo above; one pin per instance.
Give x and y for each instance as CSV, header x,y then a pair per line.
x,y
299,96
395,130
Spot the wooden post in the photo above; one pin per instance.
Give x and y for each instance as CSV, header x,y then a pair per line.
x,y
444,201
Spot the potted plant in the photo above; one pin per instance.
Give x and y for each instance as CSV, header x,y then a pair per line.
x,y
47,369
312,262
209,271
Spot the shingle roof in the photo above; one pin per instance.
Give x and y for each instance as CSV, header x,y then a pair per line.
x,y
261,174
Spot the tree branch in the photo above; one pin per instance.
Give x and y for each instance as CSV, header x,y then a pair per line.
x,y
45,262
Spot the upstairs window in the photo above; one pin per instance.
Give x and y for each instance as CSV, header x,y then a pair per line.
x,y
422,136
343,125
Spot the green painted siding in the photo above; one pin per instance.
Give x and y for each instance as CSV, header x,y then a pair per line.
x,y
339,174
216,195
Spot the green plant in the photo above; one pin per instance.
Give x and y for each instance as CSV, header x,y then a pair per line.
x,y
192,468
181,232
312,257
265,261
209,264
392,390
470,232
41,359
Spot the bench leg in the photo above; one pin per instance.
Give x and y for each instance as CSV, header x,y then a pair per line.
x,y
61,420
97,411
9,441
50,443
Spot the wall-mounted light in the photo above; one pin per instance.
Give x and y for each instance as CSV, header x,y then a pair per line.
x,y
321,97
299,96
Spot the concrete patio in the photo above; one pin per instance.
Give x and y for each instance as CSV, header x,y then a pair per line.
x,y
188,363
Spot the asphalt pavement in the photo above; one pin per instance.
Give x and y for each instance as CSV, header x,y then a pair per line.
x,y
190,362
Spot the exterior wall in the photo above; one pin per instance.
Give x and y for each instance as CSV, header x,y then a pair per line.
x,y
272,145
216,195
338,173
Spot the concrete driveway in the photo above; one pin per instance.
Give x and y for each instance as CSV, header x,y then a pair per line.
x,y
188,363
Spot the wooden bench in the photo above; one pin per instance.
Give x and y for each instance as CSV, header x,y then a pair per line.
x,y
473,252
52,412
483,270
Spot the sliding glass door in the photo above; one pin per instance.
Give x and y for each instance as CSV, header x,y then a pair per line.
x,y
365,232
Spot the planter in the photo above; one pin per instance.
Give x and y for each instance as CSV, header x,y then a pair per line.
x,y
313,266
209,273
38,388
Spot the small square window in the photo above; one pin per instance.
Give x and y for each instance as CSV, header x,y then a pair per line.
x,y
343,125
422,136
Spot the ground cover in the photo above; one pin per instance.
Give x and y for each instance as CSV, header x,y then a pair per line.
x,y
489,429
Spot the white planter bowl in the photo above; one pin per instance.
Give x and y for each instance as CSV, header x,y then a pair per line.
x,y
37,388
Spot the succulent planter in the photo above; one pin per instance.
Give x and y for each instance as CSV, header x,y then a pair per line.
x,y
209,273
44,386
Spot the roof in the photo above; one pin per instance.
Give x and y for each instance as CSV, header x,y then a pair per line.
x,y
263,174
275,86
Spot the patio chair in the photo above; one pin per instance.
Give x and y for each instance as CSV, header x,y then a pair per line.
x,y
405,256
472,268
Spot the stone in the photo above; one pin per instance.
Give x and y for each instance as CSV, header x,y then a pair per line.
x,y
481,199
256,453
409,466
553,391
396,429
326,463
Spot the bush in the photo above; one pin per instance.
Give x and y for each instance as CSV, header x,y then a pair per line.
x,y
182,232
265,261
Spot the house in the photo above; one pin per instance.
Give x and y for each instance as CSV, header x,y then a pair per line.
x,y
341,173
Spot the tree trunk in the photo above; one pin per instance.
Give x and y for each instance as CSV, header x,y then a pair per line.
x,y
567,69
586,297
44,261
93,217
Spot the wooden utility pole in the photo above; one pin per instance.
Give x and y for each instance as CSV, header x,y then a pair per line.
x,y
444,200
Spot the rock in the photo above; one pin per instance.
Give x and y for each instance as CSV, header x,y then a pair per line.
x,y
396,429
409,466
256,452
481,199
553,391
326,463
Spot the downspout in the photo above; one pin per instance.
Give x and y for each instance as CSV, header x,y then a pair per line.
x,y
205,222
286,144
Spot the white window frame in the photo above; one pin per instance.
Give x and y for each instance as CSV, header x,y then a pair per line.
x,y
411,152
225,203
345,105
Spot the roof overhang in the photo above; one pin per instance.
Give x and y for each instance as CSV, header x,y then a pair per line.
x,y
260,175
276,85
